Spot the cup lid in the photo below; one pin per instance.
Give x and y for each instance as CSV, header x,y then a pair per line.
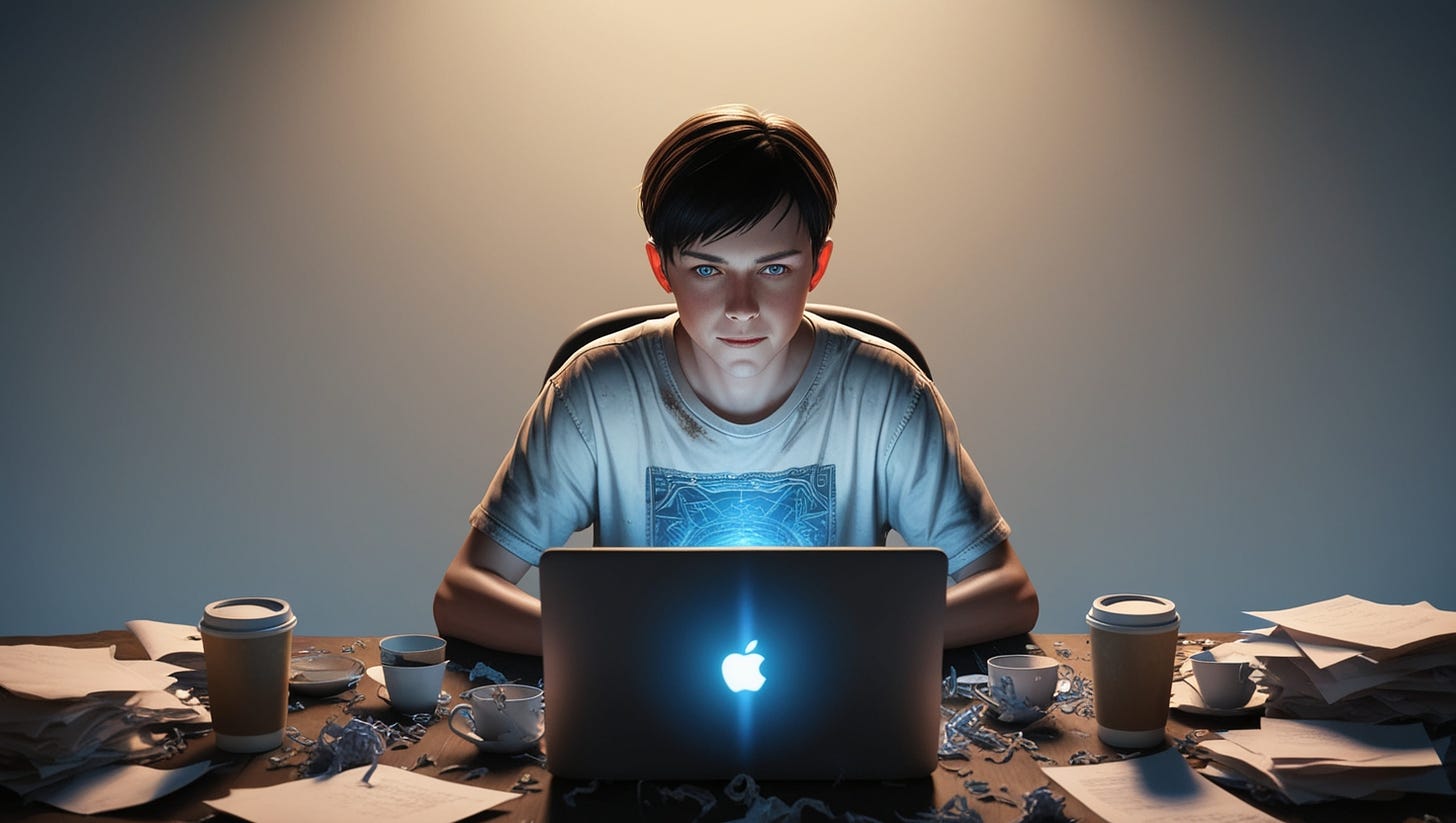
x,y
1133,611
247,614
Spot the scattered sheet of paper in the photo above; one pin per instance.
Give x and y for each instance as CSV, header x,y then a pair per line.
x,y
1274,641
58,673
1258,770
46,742
1357,675
391,794
1311,761
1153,789
1332,740
1322,654
1350,619
117,787
1357,661
176,641
1251,648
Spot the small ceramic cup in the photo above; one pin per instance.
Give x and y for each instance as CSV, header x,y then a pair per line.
x,y
1223,684
413,689
411,650
502,719
1028,677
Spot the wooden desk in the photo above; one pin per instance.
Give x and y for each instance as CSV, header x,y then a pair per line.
x,y
1057,737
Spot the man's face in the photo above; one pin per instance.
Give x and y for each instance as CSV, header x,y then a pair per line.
x,y
741,298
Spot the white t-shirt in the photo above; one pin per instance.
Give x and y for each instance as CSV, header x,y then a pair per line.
x,y
616,438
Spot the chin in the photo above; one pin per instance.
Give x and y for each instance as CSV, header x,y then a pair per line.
x,y
741,369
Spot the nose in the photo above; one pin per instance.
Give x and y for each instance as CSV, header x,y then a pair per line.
x,y
742,302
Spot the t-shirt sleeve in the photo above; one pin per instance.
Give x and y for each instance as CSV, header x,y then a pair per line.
x,y
545,488
936,496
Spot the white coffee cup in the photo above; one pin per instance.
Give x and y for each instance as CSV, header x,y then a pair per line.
x,y
1028,677
413,689
412,650
504,719
1223,684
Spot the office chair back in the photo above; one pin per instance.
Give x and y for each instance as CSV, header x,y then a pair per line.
x,y
606,324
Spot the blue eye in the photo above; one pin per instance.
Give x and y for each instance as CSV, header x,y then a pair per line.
x,y
705,271
776,269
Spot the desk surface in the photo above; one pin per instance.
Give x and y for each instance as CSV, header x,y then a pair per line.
x,y
1058,737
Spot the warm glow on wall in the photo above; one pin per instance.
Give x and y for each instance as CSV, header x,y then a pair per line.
x,y
282,278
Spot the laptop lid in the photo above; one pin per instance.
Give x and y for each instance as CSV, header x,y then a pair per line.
x,y
704,663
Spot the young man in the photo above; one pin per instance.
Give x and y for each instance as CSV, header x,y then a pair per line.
x,y
740,419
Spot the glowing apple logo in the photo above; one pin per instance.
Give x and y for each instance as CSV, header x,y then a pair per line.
x,y
740,671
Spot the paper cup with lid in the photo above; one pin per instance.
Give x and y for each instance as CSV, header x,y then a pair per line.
x,y
247,642
1134,637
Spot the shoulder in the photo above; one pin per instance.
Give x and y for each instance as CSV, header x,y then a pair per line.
x,y
858,356
633,351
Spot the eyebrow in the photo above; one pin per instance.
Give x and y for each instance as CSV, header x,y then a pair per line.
x,y
767,258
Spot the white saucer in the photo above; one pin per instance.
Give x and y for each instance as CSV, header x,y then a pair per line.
x,y
1018,716
323,674
505,746
1185,698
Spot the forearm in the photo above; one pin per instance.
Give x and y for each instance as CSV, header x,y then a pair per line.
x,y
486,609
991,603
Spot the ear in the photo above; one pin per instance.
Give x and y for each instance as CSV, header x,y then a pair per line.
x,y
822,263
654,259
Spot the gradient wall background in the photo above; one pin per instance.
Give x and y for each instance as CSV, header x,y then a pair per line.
x,y
281,278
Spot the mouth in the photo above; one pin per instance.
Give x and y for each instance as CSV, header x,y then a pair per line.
x,y
741,342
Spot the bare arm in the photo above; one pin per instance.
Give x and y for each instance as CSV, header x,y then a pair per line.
x,y
479,601
991,598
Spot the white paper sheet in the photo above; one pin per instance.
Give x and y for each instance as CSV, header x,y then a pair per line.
x,y
117,787
1312,760
1350,619
176,640
1351,677
1332,740
1251,648
1321,781
1323,654
391,794
58,673
1258,769
1153,789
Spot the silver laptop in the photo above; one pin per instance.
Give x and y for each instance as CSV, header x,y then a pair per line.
x,y
704,663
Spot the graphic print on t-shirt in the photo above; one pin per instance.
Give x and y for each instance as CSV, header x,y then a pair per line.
x,y
793,507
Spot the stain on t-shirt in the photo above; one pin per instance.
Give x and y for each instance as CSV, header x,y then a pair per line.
x,y
692,428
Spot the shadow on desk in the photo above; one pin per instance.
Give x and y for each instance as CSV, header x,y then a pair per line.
x,y
572,800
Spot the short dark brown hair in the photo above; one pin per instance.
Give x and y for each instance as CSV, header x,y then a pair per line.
x,y
725,169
